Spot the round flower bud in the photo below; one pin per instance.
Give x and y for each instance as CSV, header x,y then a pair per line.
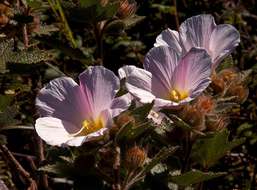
x,y
216,124
217,84
228,75
205,104
127,8
135,158
193,117
124,118
239,91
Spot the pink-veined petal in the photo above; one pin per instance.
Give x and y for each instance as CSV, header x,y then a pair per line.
x,y
196,32
138,83
223,41
169,38
161,62
62,98
54,132
193,72
120,104
100,86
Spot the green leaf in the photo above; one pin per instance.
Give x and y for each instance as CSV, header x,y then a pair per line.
x,y
209,149
63,169
194,177
142,112
7,116
130,131
226,63
29,56
133,20
5,101
115,27
166,9
88,3
5,51
163,154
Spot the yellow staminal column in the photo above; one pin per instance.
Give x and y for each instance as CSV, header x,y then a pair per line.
x,y
177,96
90,126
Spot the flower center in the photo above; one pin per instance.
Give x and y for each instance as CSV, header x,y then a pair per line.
x,y
177,96
90,126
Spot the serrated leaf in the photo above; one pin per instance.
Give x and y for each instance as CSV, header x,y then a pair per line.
x,y
194,177
29,56
163,154
142,112
209,149
5,51
63,169
132,21
115,27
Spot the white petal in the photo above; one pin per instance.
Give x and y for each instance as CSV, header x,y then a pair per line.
x,y
193,72
161,62
223,41
196,32
100,86
62,98
55,132
138,83
169,38
120,104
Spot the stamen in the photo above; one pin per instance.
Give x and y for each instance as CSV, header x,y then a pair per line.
x,y
177,96
90,126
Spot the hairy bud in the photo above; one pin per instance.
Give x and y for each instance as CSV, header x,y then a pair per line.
x,y
124,118
135,158
218,84
5,14
193,117
228,75
216,124
239,91
127,8
205,104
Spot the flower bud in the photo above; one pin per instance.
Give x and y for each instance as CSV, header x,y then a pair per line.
x,y
135,158
127,8
216,124
228,75
217,84
124,118
205,104
239,91
5,14
193,117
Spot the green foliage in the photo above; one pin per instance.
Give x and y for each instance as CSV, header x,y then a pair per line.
x,y
163,154
137,125
24,56
194,177
209,149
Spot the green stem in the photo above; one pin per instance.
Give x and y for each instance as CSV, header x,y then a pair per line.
x,y
59,13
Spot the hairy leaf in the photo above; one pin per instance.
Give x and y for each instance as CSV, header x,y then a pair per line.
x,y
195,176
209,149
